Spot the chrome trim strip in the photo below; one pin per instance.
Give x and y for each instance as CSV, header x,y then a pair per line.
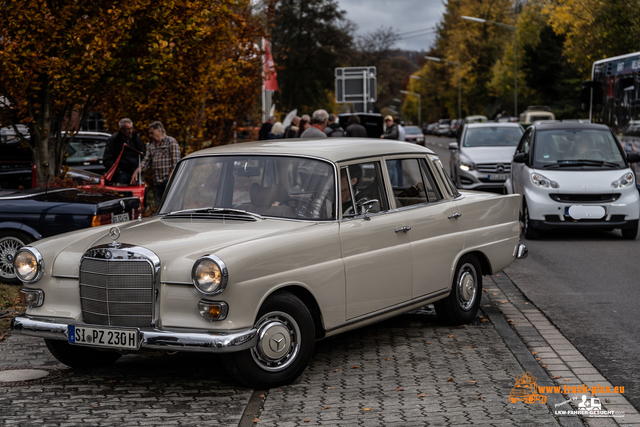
x,y
390,309
212,342
522,251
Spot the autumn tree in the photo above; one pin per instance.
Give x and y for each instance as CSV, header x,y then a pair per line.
x,y
61,58
310,38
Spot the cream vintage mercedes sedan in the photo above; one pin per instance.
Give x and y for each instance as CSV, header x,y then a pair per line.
x,y
260,249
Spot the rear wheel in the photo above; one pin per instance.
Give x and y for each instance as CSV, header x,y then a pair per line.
x,y
286,339
461,306
630,233
80,357
10,242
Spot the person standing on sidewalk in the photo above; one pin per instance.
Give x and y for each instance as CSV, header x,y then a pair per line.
x,y
162,155
391,132
355,129
318,123
126,157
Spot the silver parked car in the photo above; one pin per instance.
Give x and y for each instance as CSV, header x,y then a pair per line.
x,y
482,158
574,175
260,249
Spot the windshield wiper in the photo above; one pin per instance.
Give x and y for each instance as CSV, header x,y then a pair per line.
x,y
216,210
581,162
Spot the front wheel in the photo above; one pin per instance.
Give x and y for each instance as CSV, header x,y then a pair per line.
x,y
286,339
529,231
10,242
461,306
81,357
630,233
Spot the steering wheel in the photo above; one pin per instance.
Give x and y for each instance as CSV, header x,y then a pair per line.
x,y
304,208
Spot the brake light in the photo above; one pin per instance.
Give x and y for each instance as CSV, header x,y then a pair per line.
x,y
135,213
102,219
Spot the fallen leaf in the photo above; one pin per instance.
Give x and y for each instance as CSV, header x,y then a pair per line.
x,y
537,358
399,389
450,379
473,382
366,409
544,366
556,377
470,346
452,351
325,407
429,343
255,420
355,367
534,352
526,303
421,395
330,388
95,406
112,381
494,293
387,359
450,336
337,370
509,320
497,275
262,396
480,397
567,379
485,320
607,401
306,421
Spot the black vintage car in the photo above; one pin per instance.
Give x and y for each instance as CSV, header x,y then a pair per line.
x,y
34,214
372,122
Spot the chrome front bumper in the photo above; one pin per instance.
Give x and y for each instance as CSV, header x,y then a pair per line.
x,y
152,339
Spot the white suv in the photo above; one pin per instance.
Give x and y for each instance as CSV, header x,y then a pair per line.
x,y
574,175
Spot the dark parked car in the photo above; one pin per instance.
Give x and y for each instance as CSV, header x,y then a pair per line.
x,y
34,214
372,122
414,134
16,160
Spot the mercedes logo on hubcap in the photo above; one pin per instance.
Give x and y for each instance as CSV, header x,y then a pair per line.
x,y
277,342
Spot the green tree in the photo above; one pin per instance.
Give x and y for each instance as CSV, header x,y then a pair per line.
x,y
309,39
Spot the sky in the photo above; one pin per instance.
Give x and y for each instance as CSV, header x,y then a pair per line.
x,y
403,15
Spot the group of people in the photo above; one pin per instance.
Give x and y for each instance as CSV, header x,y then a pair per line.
x,y
322,124
319,125
125,153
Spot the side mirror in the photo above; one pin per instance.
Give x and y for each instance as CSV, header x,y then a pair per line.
x,y
366,205
633,157
453,146
520,158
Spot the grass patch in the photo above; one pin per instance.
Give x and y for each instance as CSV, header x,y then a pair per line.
x,y
11,305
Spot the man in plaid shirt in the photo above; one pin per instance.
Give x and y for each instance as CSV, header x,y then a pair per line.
x,y
162,154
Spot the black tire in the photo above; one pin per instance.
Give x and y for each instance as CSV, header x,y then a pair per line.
x,y
461,306
529,231
630,233
10,242
80,357
285,316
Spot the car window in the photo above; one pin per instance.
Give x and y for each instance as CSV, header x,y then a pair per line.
x,y
525,142
492,136
285,187
433,194
566,147
449,186
362,182
407,182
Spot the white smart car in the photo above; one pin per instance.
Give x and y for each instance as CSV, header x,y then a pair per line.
x,y
574,175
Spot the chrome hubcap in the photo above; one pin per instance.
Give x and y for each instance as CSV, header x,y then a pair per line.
x,y
467,286
8,248
278,341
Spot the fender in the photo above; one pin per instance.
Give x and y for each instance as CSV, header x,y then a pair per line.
x,y
11,225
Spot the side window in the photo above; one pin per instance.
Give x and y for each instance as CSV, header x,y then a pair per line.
x,y
407,182
525,142
430,183
449,186
362,182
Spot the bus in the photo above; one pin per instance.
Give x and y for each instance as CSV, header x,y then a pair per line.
x,y
612,97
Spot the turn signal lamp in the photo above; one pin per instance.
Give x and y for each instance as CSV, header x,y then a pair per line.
x,y
213,310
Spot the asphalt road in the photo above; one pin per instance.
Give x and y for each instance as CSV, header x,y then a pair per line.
x,y
586,283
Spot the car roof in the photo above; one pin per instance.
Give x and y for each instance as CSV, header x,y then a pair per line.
x,y
568,125
332,149
493,125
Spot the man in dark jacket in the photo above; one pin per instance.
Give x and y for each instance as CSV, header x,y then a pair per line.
x,y
391,132
263,134
355,129
130,153
334,129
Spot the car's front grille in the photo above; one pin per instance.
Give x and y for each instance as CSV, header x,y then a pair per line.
x,y
585,198
117,292
493,167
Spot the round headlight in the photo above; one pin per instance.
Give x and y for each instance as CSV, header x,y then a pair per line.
x,y
209,275
28,265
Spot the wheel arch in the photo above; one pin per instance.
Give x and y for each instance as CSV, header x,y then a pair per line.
x,y
309,300
20,228
485,264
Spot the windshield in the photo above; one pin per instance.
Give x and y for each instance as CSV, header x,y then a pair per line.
x,y
562,148
413,130
284,187
492,136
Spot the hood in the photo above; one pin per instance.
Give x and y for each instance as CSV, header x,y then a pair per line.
x,y
177,242
489,154
585,182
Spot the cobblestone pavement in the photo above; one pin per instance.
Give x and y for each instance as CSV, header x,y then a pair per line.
x,y
407,371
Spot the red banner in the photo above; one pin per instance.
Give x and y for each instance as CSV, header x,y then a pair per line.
x,y
270,74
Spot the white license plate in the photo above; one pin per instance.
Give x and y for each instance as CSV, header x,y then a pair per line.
x,y
499,177
585,212
101,337
121,218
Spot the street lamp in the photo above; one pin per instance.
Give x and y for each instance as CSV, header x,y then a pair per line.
x,y
433,58
515,54
405,92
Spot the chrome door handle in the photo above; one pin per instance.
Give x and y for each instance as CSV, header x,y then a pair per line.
x,y
455,215
405,229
